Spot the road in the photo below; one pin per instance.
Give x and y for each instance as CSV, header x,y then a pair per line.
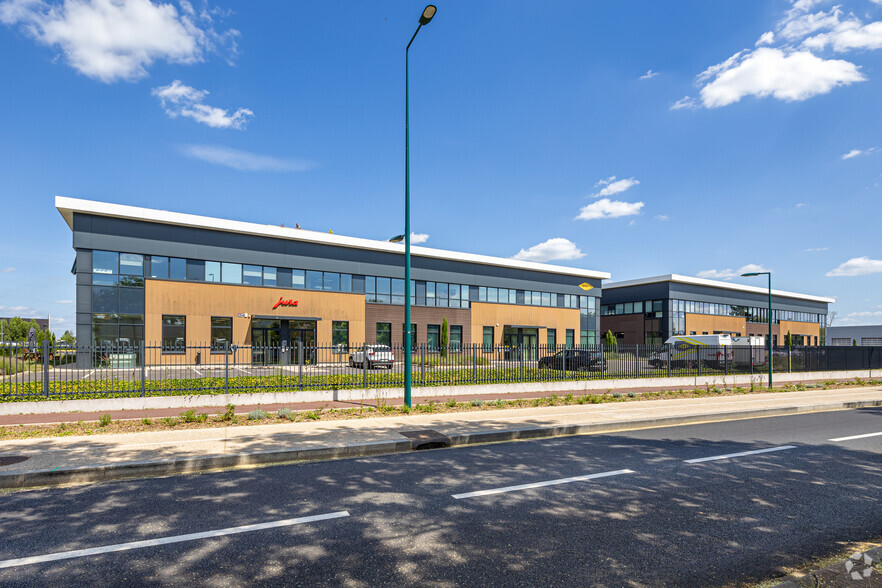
x,y
668,506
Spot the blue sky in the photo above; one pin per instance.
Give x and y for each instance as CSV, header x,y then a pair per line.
x,y
639,138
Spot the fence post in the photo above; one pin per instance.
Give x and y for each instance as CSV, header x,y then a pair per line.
x,y
637,360
668,352
143,367
750,348
726,360
475,363
520,349
698,361
789,359
602,361
422,363
46,367
563,361
300,364
364,364
226,367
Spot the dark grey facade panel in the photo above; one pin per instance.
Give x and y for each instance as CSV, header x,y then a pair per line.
x,y
84,298
188,242
697,293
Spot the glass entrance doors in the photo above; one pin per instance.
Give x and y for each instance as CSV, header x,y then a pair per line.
x,y
302,337
520,343
265,342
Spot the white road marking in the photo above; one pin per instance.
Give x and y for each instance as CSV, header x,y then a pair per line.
x,y
89,374
25,561
864,436
740,454
540,484
246,372
195,370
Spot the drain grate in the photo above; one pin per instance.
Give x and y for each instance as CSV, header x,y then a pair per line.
x,y
426,439
6,460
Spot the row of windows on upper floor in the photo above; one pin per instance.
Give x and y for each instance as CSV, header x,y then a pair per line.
x,y
681,307
129,269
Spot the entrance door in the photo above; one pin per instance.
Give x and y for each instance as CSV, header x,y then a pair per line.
x,y
265,341
525,341
303,333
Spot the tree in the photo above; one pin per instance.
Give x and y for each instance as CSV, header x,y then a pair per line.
x,y
831,318
854,342
611,340
788,340
68,338
445,337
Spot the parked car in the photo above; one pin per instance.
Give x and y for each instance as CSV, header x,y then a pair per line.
x,y
377,356
577,360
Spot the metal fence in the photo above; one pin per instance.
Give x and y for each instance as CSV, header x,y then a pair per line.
x,y
50,372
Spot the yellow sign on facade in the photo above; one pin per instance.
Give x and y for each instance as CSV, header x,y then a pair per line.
x,y
585,286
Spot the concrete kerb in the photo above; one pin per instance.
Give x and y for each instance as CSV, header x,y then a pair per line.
x,y
208,463
386,394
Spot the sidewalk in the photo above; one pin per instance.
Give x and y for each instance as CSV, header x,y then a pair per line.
x,y
61,460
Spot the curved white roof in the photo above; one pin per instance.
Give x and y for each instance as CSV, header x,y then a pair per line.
x,y
715,284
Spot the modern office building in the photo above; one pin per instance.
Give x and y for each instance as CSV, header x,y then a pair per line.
x,y
650,310
176,280
864,336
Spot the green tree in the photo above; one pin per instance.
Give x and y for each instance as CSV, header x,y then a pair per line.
x,y
445,337
854,342
611,340
788,340
69,338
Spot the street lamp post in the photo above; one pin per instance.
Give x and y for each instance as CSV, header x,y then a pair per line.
x,y
425,18
769,274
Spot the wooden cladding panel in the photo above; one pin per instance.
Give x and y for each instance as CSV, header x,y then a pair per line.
x,y
487,314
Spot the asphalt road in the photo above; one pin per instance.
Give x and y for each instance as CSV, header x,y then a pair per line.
x,y
414,519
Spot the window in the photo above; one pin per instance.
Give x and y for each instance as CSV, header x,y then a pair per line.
x,y
552,338
492,295
131,264
212,271
314,280
298,279
571,338
270,276
195,270
105,299
252,275
177,268
174,333
346,282
440,294
332,282
384,288
433,337
488,339
159,267
456,337
546,299
871,341
397,291
430,293
583,338
482,294
841,341
370,289
221,333
131,301
340,336
384,334
231,273
105,262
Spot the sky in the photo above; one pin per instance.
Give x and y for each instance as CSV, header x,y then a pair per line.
x,y
637,138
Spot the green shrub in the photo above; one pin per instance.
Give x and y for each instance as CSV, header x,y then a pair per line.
x,y
477,402
189,416
169,421
451,403
104,420
229,414
286,413
631,395
617,395
146,421
257,415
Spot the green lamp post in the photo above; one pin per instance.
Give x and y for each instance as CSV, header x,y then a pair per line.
x,y
425,18
769,274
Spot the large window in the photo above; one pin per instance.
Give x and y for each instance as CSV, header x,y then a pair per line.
x,y
340,336
105,262
384,334
571,338
174,333
177,268
456,337
231,273
413,334
252,275
433,337
488,339
313,280
195,270
159,267
221,333
552,339
212,271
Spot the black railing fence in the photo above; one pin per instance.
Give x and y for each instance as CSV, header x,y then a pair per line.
x,y
45,371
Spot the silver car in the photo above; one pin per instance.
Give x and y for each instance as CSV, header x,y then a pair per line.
x,y
377,356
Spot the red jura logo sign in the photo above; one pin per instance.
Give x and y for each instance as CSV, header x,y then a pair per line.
x,y
283,302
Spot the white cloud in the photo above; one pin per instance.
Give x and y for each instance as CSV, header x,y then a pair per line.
x,y
613,186
63,302
766,38
649,75
7,270
684,103
662,217
112,40
857,266
606,208
847,36
798,23
793,76
178,99
858,152
417,238
244,160
554,248
728,274
814,249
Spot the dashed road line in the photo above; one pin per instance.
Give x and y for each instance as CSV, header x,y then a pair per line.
x,y
540,484
864,436
740,454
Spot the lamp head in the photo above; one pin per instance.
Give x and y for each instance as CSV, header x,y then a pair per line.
x,y
747,275
428,14
397,239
